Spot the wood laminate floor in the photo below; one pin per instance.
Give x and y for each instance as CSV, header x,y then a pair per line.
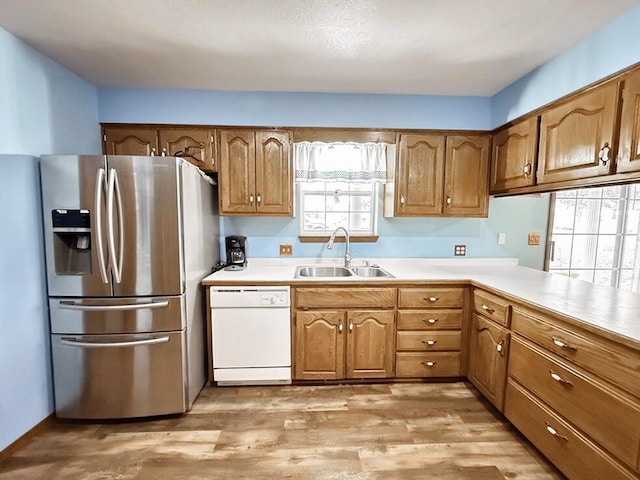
x,y
441,431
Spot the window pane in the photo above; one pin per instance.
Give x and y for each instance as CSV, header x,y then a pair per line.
x,y
587,216
626,280
561,252
590,193
335,220
605,253
313,221
629,251
610,215
603,277
360,203
360,222
564,214
584,251
613,192
314,202
337,202
566,194
633,216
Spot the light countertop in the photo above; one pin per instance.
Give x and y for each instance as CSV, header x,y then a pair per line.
x,y
610,312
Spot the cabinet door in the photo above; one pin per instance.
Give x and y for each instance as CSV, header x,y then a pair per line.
x,y
420,175
574,135
629,149
319,348
466,176
130,141
194,145
488,353
513,156
370,344
236,172
274,186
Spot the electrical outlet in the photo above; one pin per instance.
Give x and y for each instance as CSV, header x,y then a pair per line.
x,y
460,250
286,249
533,239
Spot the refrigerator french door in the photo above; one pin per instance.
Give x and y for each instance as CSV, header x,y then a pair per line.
x,y
116,275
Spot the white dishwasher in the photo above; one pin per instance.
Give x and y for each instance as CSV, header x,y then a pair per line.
x,y
251,335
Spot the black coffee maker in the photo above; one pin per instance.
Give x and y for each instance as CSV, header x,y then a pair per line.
x,y
236,247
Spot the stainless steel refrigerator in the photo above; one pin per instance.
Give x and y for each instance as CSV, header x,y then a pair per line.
x,y
128,240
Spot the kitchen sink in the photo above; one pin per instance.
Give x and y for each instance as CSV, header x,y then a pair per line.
x,y
340,272
370,272
320,272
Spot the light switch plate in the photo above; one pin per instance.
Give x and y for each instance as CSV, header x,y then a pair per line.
x,y
502,238
533,239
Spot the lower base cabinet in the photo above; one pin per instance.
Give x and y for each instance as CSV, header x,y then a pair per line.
x,y
574,454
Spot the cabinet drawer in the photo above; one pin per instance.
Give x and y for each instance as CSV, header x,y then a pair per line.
x,y
609,417
428,341
575,455
612,361
429,319
345,297
492,307
428,364
431,297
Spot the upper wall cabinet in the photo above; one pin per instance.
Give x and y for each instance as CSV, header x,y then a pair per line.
x,y
255,173
629,148
438,175
577,137
196,145
419,175
466,167
513,156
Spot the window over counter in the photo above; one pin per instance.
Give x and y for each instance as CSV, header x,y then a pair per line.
x,y
594,235
337,185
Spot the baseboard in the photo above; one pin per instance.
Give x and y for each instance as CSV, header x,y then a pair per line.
x,y
27,437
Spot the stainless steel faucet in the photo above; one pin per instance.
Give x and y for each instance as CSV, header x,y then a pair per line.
x,y
347,253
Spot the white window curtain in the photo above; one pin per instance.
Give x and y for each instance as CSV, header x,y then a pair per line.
x,y
340,162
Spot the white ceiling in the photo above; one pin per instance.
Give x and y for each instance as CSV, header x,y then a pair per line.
x,y
439,47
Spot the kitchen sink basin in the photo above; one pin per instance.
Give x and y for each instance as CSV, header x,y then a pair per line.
x,y
340,272
322,272
370,272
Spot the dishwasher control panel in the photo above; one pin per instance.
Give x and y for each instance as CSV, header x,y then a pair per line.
x,y
249,296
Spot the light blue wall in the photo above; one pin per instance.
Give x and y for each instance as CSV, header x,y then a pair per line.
x,y
610,49
416,237
137,105
43,109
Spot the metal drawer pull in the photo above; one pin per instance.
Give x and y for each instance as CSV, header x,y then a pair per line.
x,y
487,308
561,344
430,321
340,327
430,363
500,348
432,299
429,342
351,326
526,170
108,308
70,342
559,379
555,433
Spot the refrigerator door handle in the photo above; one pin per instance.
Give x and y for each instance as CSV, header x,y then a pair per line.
x,y
102,264
109,308
71,342
114,197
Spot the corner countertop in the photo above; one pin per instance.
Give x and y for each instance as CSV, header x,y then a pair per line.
x,y
610,312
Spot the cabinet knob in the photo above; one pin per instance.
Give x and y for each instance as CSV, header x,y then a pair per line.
x,y
487,308
430,321
153,152
340,327
259,198
555,433
251,199
500,348
429,364
604,154
559,343
431,299
559,379
526,170
402,200
429,342
351,326
164,152
448,200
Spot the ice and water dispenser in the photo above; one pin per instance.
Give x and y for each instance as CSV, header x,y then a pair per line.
x,y
72,241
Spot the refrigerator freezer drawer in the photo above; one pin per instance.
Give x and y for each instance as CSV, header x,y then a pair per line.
x,y
116,315
119,376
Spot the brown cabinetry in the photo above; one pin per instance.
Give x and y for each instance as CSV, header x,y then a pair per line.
x,y
513,156
629,147
574,395
577,137
196,145
429,337
255,173
442,175
340,334
489,346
